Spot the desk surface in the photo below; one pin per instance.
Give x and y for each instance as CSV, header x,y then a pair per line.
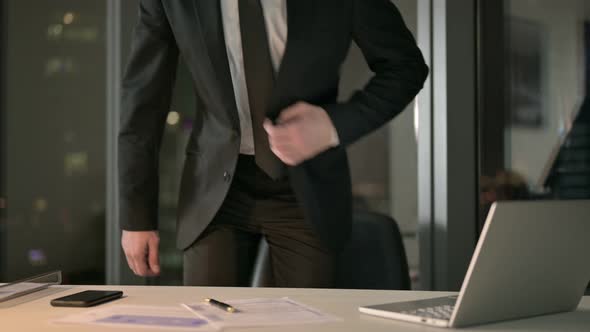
x,y
36,314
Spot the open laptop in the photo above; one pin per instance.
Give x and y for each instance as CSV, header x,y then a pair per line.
x,y
531,259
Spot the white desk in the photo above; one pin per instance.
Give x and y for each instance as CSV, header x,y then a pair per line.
x,y
34,315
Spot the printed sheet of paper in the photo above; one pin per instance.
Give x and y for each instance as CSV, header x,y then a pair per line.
x,y
260,312
170,318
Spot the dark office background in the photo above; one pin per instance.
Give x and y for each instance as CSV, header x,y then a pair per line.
x,y
54,144
533,129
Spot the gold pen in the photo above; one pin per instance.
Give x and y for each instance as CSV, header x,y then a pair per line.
x,y
221,305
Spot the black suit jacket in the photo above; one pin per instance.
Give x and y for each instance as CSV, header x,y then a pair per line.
x,y
320,33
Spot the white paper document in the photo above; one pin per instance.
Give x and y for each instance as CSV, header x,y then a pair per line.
x,y
168,318
260,312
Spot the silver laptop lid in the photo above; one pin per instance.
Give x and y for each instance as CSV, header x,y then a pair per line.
x,y
532,258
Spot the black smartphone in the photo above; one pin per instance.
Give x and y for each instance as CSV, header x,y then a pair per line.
x,y
87,298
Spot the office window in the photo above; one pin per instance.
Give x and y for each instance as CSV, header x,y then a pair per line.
x,y
52,199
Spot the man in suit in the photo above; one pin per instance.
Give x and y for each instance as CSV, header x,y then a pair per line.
x,y
266,156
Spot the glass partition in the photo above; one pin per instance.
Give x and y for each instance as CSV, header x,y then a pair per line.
x,y
545,148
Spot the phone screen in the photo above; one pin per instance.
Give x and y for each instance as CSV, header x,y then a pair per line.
x,y
86,298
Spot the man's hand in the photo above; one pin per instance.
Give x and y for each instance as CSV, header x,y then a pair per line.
x,y
302,132
141,250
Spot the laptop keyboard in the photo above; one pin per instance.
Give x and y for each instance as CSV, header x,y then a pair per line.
x,y
443,312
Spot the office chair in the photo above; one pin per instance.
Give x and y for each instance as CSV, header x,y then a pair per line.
x,y
374,258
262,274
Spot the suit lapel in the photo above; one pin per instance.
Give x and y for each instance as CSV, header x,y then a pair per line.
x,y
300,22
300,18
208,13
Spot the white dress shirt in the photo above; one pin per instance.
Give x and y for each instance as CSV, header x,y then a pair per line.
x,y
275,16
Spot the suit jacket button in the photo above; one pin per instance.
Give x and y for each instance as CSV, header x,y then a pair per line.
x,y
226,176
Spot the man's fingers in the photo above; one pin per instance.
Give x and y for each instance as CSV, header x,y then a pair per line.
x,y
139,256
288,133
302,131
283,146
285,143
285,159
267,125
289,157
270,129
153,256
292,112
128,256
141,252
276,132
141,266
131,263
285,151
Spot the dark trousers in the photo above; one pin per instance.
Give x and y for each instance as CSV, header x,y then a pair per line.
x,y
256,207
